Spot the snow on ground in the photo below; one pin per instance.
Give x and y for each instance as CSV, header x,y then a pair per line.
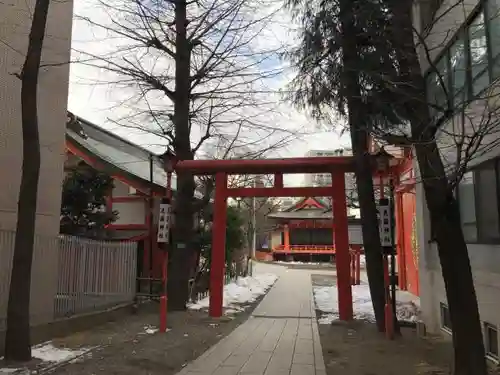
x,y
326,299
302,263
49,354
241,292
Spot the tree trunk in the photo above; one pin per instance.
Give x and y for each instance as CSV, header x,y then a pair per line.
x,y
364,177
17,338
181,252
443,208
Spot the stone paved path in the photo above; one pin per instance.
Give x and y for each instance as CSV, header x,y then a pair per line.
x,y
280,338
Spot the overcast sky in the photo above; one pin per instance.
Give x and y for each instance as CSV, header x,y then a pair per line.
x,y
99,103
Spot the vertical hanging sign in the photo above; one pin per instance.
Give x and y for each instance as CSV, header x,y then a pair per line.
x,y
164,222
385,225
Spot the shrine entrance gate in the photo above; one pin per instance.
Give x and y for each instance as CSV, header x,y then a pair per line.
x,y
338,166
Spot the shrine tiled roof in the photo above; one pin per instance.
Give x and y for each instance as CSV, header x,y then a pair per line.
x,y
117,152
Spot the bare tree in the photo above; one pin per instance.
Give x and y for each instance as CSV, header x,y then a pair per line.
x,y
195,70
17,338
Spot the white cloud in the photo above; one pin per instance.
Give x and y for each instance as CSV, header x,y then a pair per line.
x,y
93,99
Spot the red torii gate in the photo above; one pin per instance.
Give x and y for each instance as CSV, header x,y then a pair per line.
x,y
336,165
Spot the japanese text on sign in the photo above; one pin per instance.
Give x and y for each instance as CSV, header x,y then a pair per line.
x,y
164,220
385,224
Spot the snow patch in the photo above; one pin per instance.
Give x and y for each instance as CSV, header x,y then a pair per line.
x,y
326,299
241,292
301,263
7,370
49,353
151,330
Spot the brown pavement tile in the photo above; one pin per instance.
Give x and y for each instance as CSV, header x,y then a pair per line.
x,y
226,370
304,346
277,372
300,369
236,360
306,359
257,363
281,338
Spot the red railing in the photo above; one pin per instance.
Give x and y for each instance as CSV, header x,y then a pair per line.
x,y
355,266
305,249
354,253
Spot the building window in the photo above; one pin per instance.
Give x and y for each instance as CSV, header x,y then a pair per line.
x,y
478,54
445,317
491,340
478,197
471,62
487,202
458,63
493,13
467,203
437,87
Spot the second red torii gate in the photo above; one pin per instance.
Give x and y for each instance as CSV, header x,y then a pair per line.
x,y
336,165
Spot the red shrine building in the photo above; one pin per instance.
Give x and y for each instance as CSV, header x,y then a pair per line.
x,y
303,232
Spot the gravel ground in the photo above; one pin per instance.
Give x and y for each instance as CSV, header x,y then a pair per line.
x,y
357,348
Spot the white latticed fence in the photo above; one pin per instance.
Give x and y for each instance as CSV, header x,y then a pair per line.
x,y
71,276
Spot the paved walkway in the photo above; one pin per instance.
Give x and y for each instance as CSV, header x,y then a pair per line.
x,y
280,338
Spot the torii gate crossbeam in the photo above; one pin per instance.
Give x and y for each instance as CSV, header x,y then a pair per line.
x,y
337,166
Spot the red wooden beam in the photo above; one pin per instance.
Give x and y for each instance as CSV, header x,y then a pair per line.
x,y
268,166
280,192
127,226
132,198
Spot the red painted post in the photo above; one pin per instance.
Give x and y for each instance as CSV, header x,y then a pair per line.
x,y
401,242
353,267
342,246
358,267
218,246
278,180
389,320
286,237
164,266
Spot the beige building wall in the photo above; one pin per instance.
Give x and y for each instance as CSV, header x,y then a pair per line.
x,y
15,23
275,239
133,212
484,258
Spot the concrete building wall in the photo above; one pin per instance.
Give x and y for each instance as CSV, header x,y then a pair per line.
x,y
132,212
275,239
484,257
52,95
322,179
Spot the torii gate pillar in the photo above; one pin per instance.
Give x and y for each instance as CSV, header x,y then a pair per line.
x,y
341,240
218,253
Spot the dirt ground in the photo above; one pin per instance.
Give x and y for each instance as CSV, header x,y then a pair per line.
x,y
124,347
357,348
